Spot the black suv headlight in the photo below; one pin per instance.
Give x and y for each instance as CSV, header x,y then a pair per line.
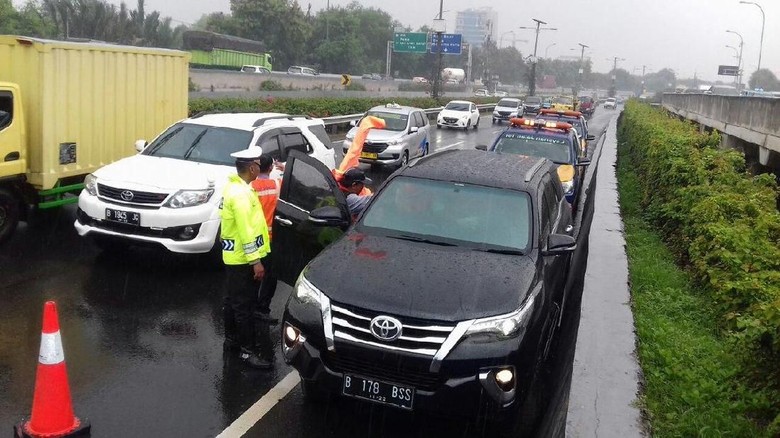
x,y
306,293
509,324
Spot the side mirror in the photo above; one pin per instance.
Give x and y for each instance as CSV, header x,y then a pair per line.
x,y
353,123
590,137
481,147
140,145
413,129
328,216
583,161
559,244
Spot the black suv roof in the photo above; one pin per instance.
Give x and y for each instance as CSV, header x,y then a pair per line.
x,y
511,171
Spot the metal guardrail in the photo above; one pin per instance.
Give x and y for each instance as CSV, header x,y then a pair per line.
x,y
339,120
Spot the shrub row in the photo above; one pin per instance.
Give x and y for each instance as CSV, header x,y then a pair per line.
x,y
720,221
316,107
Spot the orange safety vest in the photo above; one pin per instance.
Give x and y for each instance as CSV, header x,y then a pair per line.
x,y
268,192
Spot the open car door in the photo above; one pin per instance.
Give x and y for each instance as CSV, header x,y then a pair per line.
x,y
311,214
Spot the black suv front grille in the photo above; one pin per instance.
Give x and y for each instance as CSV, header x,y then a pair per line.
x,y
392,371
131,196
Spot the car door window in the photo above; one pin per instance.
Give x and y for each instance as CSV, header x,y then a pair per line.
x,y
270,147
420,118
308,188
322,135
550,209
6,109
295,141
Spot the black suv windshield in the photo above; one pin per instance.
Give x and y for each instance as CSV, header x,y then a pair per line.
x,y
204,144
393,121
535,144
457,106
443,212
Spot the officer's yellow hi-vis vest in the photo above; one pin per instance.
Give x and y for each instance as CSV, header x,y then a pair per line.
x,y
244,232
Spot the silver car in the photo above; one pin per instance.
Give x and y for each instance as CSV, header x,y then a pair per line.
x,y
405,136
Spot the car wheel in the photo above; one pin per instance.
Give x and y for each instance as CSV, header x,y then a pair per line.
x,y
404,159
476,125
9,215
468,125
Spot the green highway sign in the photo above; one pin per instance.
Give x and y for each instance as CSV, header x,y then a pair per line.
x,y
411,42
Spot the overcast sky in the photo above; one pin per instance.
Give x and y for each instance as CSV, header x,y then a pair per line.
x,y
686,35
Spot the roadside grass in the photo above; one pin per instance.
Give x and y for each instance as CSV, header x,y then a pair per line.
x,y
692,374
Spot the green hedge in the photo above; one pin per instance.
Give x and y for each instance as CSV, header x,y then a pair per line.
x,y
720,221
316,107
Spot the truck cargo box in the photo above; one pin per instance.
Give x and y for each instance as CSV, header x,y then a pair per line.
x,y
85,103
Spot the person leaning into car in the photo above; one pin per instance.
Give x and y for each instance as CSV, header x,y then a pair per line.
x,y
245,241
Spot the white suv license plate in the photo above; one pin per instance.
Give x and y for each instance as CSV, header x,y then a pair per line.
x,y
123,217
378,392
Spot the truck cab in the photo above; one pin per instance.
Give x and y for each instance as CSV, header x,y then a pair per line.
x,y
12,157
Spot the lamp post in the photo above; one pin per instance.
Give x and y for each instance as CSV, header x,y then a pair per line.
x,y
437,74
538,28
613,88
548,48
739,64
581,70
763,21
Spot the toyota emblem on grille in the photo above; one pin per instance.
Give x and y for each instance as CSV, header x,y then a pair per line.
x,y
127,195
386,328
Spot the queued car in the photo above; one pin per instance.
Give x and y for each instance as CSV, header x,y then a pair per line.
x,y
404,137
564,103
168,195
372,76
259,69
482,93
506,109
500,93
587,106
532,105
419,80
610,103
576,119
555,141
302,71
459,114
383,313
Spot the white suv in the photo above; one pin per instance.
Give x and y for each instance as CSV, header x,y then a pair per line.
x,y
169,193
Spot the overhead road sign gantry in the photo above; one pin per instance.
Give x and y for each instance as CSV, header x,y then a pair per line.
x,y
410,42
451,43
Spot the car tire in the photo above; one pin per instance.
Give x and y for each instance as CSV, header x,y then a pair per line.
x,y
404,159
468,125
9,215
476,125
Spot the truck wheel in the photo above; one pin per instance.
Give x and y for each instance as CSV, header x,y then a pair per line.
x,y
9,214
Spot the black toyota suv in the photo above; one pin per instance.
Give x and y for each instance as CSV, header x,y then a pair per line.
x,y
443,296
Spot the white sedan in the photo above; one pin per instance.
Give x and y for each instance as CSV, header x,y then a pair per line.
x,y
459,114
611,103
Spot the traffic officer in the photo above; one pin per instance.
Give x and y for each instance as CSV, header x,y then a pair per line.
x,y
245,242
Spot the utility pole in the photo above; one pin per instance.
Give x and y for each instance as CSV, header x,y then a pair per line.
x,y
613,89
763,21
538,28
582,70
437,74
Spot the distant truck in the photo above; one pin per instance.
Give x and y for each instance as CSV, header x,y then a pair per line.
x,y
453,75
69,108
217,51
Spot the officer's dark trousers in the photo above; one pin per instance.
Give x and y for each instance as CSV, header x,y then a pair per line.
x,y
268,287
239,306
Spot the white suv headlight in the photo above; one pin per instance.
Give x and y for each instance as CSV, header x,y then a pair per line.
x,y
495,113
90,184
509,324
189,198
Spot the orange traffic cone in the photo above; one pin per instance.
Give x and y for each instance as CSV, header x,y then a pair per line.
x,y
52,410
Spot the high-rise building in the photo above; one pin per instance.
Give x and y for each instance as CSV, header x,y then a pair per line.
x,y
476,24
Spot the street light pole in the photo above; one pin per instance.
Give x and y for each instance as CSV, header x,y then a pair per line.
x,y
582,70
538,28
437,76
548,48
763,21
613,89
739,64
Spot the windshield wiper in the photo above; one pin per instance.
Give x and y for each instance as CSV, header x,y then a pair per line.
x,y
194,143
161,142
422,240
501,251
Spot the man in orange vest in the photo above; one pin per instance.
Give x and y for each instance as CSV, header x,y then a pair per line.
x,y
268,190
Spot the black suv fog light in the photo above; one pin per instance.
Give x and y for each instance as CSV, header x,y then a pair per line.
x,y
292,336
505,379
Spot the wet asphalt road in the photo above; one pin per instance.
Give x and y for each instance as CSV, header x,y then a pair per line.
x,y
142,334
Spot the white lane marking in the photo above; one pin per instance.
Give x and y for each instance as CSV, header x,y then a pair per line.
x,y
449,146
255,413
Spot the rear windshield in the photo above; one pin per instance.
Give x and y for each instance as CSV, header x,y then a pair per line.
x,y
393,121
507,102
535,145
415,208
321,134
533,100
203,144
457,106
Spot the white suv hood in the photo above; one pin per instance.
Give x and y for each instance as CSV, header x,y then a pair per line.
x,y
453,113
143,171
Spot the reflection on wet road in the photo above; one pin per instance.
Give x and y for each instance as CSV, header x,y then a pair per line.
x,y
142,333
